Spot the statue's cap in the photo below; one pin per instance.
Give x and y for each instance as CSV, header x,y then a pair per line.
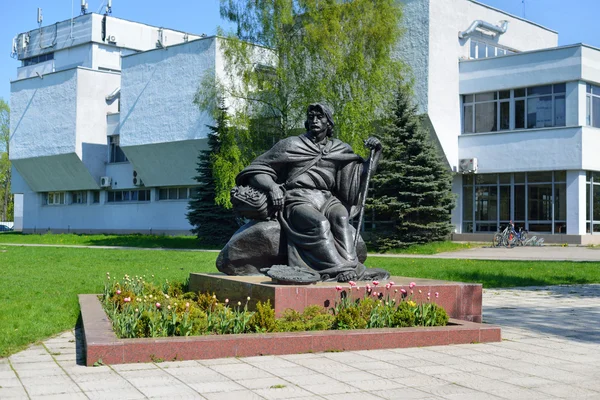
x,y
322,108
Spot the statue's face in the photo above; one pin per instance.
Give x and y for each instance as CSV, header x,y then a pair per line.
x,y
317,123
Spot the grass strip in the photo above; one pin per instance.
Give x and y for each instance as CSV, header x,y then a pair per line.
x,y
40,284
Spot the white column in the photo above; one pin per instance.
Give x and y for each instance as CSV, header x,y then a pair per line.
x,y
576,203
456,216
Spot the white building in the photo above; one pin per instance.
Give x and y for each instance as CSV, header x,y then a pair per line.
x,y
104,132
511,112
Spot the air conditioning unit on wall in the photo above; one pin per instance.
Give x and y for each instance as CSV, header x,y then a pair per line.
x,y
467,165
105,181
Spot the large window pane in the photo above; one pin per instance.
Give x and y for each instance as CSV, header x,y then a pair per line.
x,y
519,202
468,122
588,110
504,203
596,207
560,202
483,179
504,115
560,176
559,111
491,51
480,50
489,96
596,112
504,178
486,202
540,203
468,203
539,112
485,117
519,114
545,176
473,53
539,90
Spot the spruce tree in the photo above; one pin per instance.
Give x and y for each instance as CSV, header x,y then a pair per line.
x,y
412,186
212,223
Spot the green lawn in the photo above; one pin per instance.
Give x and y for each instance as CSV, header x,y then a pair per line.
x,y
40,284
134,240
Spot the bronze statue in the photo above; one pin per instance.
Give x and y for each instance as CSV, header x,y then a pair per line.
x,y
314,184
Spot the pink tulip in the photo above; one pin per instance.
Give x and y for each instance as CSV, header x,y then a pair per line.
x,y
412,285
402,291
374,294
392,283
157,305
437,294
351,283
118,292
127,299
375,283
428,294
338,288
387,286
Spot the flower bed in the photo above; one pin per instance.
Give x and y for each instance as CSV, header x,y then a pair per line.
x,y
139,309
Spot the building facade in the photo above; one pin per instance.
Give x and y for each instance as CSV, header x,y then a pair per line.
x,y
105,134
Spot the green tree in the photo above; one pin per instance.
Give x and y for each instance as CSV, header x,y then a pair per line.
x,y
212,223
412,186
6,198
287,54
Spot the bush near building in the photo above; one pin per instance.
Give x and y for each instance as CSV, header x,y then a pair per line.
x,y
412,186
212,223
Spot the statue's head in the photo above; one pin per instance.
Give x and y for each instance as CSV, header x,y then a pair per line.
x,y
320,109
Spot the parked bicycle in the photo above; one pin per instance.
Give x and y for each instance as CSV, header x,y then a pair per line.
x,y
509,237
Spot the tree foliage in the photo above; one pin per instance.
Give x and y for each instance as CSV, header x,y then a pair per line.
x,y
6,198
287,54
212,223
412,187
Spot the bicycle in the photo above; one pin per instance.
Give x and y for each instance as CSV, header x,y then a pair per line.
x,y
509,237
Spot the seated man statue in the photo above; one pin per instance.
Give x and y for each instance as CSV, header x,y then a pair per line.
x,y
315,184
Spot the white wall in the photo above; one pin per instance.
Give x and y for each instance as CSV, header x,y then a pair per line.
x,y
525,150
43,115
71,57
446,19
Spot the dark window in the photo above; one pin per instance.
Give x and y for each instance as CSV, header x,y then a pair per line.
x,y
115,155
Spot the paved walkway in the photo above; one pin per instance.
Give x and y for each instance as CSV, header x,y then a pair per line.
x,y
556,253
551,349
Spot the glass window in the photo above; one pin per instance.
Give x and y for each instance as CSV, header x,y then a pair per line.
x,y
486,179
519,114
520,177
163,194
504,115
504,94
115,155
486,96
504,178
519,202
533,177
467,203
183,193
481,50
596,112
560,110
560,88
473,52
504,203
486,201
540,203
467,179
560,202
172,193
485,117
79,197
95,196
560,176
539,112
468,98
539,90
491,51
520,92
468,119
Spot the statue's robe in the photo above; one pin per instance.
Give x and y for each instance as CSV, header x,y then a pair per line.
x,y
335,180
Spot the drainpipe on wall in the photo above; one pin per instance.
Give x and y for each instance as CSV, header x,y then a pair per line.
x,y
495,29
111,97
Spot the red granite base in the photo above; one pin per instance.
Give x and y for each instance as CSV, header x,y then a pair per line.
x,y
460,300
102,344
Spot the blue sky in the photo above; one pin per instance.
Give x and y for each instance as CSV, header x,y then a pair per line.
x,y
574,20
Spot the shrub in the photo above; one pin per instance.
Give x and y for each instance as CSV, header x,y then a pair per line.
x,y
263,320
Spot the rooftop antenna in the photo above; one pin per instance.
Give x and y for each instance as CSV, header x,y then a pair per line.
x,y
84,7
108,7
40,17
524,15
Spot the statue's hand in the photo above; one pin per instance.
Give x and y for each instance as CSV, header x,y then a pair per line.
x,y
373,143
276,194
